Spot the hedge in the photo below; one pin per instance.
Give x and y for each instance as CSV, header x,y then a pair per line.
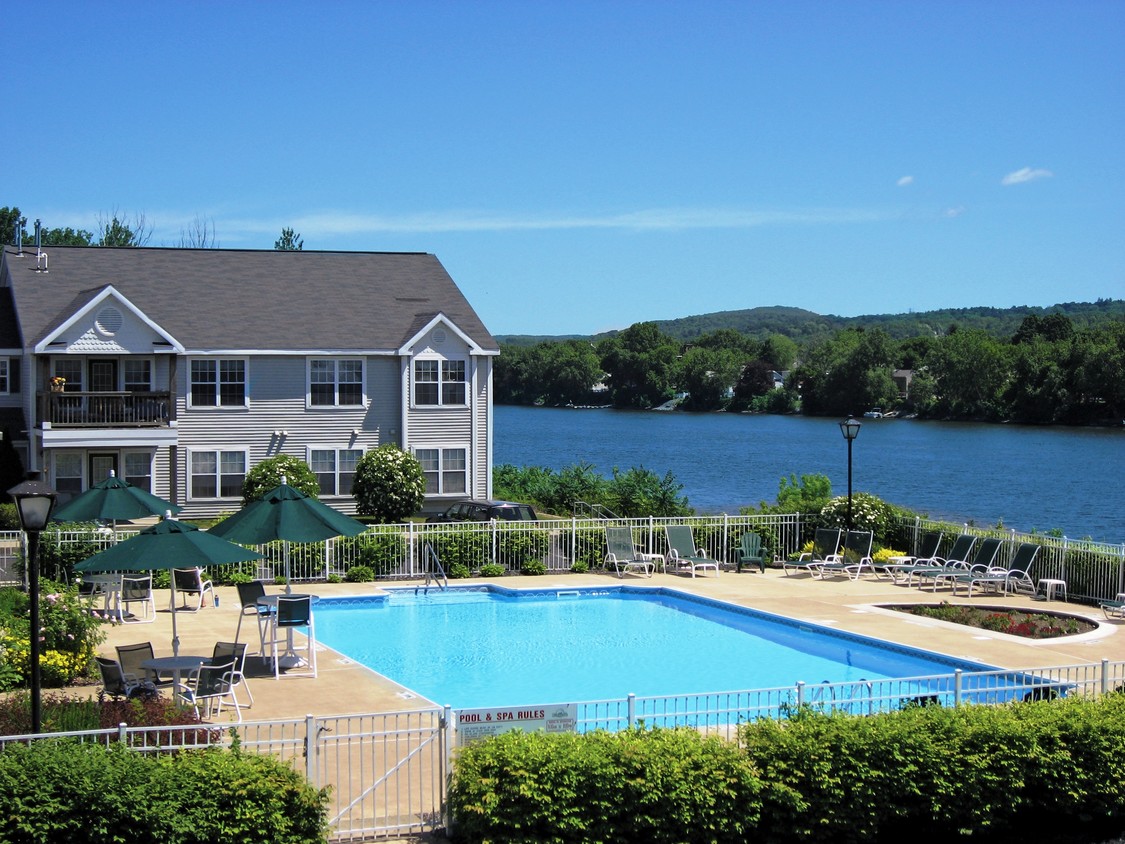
x,y
1041,771
66,791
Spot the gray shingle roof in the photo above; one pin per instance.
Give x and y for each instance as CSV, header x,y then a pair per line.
x,y
250,300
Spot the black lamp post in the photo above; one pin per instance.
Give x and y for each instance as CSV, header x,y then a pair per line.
x,y
34,500
850,429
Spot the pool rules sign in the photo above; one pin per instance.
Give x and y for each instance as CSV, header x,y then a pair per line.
x,y
473,724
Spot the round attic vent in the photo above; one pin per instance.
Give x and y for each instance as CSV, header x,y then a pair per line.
x,y
108,321
439,335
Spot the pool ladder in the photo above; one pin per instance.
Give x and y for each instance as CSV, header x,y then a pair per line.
x,y
434,571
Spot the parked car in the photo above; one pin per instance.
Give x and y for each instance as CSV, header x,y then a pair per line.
x,y
484,511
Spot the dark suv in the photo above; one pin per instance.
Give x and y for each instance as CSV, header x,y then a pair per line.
x,y
484,511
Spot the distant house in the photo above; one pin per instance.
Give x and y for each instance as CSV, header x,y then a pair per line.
x,y
180,369
902,379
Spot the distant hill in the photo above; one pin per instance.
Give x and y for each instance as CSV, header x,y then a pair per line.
x,y
802,325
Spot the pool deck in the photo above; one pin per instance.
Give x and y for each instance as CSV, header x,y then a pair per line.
x,y
343,687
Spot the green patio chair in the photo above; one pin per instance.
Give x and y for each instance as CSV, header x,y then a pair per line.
x,y
750,551
623,556
684,555
826,544
853,558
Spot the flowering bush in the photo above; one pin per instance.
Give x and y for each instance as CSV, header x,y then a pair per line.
x,y
884,555
868,513
389,484
58,382
68,634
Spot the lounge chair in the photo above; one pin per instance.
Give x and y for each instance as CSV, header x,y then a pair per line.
x,y
623,556
684,555
750,552
191,582
927,551
826,544
1116,608
983,562
958,558
853,558
1004,580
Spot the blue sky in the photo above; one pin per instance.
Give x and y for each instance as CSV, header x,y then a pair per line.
x,y
581,166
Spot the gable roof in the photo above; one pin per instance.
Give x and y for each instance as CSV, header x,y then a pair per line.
x,y
248,300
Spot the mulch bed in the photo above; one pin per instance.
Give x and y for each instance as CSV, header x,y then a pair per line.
x,y
1030,625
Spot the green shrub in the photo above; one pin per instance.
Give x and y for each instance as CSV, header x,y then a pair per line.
x,y
492,570
1047,771
534,567
458,571
359,574
64,791
9,517
63,545
656,786
379,550
69,634
389,484
468,548
266,476
518,547
580,568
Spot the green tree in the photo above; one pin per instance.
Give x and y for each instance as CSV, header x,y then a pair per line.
x,y
755,380
267,475
971,371
567,371
119,230
779,351
641,492
289,241
389,484
707,375
847,374
12,221
640,363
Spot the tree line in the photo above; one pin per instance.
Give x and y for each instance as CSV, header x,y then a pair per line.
x,y
1049,371
115,228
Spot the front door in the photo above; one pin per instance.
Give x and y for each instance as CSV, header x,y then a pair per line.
x,y
100,466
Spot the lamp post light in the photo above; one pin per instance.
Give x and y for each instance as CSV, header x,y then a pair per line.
x,y
34,501
850,429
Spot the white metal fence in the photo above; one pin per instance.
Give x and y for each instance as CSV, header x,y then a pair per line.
x,y
1093,571
388,771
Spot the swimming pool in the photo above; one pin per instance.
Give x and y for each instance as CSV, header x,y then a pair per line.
x,y
487,645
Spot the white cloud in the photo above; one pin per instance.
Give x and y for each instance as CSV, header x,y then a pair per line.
x,y
653,219
1026,174
954,212
905,181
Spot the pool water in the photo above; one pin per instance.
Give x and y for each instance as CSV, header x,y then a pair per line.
x,y
477,647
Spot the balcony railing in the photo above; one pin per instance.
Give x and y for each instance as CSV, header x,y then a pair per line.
x,y
106,410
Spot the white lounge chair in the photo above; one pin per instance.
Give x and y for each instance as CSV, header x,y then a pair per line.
x,y
684,555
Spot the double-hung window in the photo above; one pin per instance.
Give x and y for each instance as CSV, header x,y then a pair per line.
x,y
138,469
68,474
218,382
439,382
446,470
5,385
335,382
335,468
217,474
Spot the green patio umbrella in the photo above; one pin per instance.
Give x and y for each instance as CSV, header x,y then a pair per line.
x,y
287,515
111,500
168,544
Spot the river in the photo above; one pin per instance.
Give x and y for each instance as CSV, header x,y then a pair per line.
x,y
1029,478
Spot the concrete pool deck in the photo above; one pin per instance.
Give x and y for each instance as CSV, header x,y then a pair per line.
x,y
344,688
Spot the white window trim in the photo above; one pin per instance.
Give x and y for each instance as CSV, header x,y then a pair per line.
x,y
217,450
363,402
441,403
220,407
440,448
309,449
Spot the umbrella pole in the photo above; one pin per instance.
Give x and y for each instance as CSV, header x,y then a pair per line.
x,y
285,556
175,634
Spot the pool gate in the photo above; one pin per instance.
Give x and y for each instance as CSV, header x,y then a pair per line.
x,y
389,771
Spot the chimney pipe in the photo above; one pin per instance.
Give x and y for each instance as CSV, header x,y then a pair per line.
x,y
20,223
38,237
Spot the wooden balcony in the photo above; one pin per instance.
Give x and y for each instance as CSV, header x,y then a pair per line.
x,y
106,410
